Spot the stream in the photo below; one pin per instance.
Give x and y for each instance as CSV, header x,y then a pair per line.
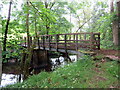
x,y
9,77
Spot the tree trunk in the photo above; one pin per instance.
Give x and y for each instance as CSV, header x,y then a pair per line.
x,y
27,26
36,28
118,6
28,53
0,62
47,25
47,22
6,31
115,25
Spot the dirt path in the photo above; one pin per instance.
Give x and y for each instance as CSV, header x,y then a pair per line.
x,y
112,54
104,56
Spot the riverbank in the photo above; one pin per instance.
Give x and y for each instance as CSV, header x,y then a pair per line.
x,y
85,73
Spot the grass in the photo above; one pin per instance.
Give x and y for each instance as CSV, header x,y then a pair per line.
x,y
81,74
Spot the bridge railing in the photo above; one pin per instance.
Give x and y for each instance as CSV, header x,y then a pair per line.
x,y
70,41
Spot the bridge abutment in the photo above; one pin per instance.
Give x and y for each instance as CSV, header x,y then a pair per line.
x,y
38,62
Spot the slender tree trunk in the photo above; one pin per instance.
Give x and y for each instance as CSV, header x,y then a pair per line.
x,y
47,25
6,31
47,22
0,62
36,28
28,53
27,26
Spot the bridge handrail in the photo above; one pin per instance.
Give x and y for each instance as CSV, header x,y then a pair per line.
x,y
68,40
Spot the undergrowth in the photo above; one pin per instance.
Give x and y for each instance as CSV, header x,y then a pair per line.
x,y
81,74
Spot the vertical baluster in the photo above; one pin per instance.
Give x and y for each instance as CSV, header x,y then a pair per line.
x,y
30,41
57,40
70,38
99,41
84,36
65,47
92,41
49,41
76,42
43,42
80,36
38,42
34,39
74,38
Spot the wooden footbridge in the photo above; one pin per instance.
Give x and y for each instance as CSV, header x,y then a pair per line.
x,y
65,44
68,43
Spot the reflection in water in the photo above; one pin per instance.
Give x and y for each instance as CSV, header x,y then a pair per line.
x,y
8,79
57,62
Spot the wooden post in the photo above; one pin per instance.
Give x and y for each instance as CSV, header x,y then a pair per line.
x,y
77,45
80,36
49,40
74,38
44,42
92,40
65,47
34,41
76,42
57,40
84,36
70,37
30,41
38,42
99,41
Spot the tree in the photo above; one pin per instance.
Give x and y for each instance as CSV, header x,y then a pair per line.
x,y
115,23
6,31
118,6
0,61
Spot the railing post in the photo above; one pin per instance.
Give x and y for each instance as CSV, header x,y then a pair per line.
x,y
49,40
92,41
74,38
38,42
99,41
80,37
43,42
34,39
30,41
65,38
76,42
84,36
57,40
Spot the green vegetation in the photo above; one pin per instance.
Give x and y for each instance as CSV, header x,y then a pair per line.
x,y
47,17
82,74
53,17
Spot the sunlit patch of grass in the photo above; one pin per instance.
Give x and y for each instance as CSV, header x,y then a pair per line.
x,y
74,75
